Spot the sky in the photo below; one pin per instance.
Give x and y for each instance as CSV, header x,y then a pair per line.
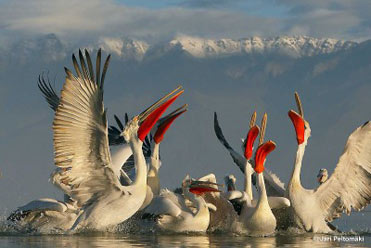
x,y
342,83
74,20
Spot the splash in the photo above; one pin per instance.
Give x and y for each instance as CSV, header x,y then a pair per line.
x,y
136,225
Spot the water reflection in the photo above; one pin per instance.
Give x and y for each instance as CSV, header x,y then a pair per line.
x,y
160,240
198,241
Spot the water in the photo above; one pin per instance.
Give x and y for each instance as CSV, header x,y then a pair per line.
x,y
157,240
356,225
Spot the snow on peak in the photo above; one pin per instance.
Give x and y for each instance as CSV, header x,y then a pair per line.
x,y
50,48
199,47
297,46
124,48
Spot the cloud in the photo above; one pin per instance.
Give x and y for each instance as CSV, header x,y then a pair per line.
x,y
209,3
324,66
75,20
337,18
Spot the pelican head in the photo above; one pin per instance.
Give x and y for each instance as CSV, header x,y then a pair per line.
x,y
261,154
250,139
322,176
130,128
301,126
198,187
202,187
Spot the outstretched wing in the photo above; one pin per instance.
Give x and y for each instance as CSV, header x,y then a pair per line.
x,y
350,184
114,133
237,158
49,93
80,133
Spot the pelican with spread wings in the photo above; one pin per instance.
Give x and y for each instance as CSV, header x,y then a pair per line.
x,y
348,187
82,150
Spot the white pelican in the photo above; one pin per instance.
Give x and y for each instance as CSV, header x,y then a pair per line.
x,y
276,192
172,214
273,184
259,220
225,216
82,151
348,187
153,154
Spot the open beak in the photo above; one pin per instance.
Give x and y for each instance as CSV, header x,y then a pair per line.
x,y
201,187
148,118
250,139
165,123
299,125
261,154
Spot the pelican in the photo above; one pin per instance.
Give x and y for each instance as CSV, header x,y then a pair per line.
x,y
236,197
172,213
246,166
82,151
225,216
348,187
273,184
322,176
260,221
153,154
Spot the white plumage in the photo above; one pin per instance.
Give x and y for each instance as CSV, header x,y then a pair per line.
x,y
348,188
45,215
173,214
81,148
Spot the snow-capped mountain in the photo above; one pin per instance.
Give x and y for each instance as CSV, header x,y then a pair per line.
x,y
124,48
51,48
293,46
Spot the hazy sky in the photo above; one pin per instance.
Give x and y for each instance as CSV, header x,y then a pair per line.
x,y
336,97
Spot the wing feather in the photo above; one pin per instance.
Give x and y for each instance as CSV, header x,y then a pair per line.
x,y
81,136
44,204
237,158
274,186
350,184
49,93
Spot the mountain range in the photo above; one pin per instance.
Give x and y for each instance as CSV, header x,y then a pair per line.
x,y
52,49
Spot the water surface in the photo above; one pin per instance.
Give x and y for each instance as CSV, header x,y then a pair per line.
x,y
356,225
